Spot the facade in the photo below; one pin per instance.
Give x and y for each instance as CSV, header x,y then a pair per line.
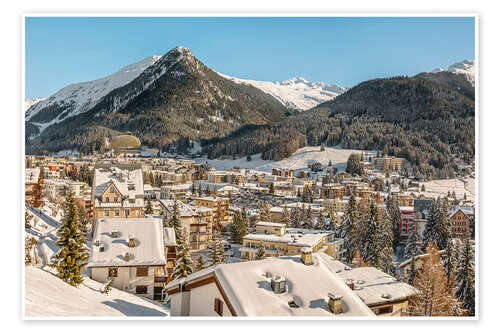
x,y
460,223
132,251
118,193
33,182
219,206
279,241
175,192
56,188
332,191
407,221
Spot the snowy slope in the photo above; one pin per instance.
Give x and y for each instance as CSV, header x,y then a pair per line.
x,y
466,67
47,295
299,160
81,97
28,102
296,93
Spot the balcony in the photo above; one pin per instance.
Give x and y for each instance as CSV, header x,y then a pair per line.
x,y
161,279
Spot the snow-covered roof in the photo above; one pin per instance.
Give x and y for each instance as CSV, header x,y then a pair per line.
x,y
269,224
31,175
128,183
374,286
294,237
169,237
183,208
148,238
249,290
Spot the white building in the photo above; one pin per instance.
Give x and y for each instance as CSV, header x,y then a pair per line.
x,y
133,252
55,188
304,285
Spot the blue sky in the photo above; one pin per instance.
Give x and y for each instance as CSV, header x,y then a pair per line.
x,y
345,51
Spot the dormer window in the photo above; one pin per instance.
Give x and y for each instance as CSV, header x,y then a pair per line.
x,y
112,189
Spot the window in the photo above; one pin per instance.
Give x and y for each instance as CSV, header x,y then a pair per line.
x,y
112,189
112,272
115,199
127,212
141,289
218,306
379,311
142,271
117,212
106,212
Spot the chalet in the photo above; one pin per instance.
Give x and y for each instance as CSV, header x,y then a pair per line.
x,y
132,251
118,193
460,223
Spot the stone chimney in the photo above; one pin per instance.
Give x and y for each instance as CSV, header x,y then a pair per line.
x,y
306,255
131,241
335,303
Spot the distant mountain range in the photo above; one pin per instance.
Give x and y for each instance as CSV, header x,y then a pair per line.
x,y
466,68
297,93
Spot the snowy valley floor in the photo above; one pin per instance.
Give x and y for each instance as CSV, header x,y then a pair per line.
x,y
47,295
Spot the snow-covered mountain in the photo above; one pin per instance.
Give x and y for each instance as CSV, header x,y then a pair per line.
x,y
81,97
29,102
296,93
466,67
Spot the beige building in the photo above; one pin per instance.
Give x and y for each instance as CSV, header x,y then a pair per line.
x,y
220,209
279,241
118,193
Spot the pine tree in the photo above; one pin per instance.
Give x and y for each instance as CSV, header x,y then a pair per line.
x,y
200,263
371,251
83,222
450,263
465,290
217,254
413,244
413,271
442,233
271,188
386,241
395,216
264,213
184,263
175,222
72,255
350,230
238,229
285,217
432,297
430,226
106,287
149,207
261,252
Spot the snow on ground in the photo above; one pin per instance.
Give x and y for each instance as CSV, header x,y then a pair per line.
x,y
441,187
47,295
299,160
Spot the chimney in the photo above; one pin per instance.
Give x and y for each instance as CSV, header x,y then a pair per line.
x,y
335,303
127,256
306,255
350,284
278,284
131,241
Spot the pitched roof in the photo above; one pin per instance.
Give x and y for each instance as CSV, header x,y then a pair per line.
x,y
148,236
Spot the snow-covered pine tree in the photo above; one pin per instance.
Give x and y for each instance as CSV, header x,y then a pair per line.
x,y
72,255
431,225
217,253
184,263
261,252
370,250
175,221
465,290
450,263
264,213
413,244
392,205
413,271
285,217
246,221
83,222
442,234
200,263
349,230
149,207
432,298
386,241
238,229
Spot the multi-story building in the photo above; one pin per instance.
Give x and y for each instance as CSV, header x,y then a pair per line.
x,y
219,206
279,241
332,191
118,193
132,251
57,188
175,192
33,182
407,221
460,223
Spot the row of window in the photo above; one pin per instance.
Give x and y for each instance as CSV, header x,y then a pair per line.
x,y
140,271
117,212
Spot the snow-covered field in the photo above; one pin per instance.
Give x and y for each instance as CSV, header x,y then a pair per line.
x,y
441,187
299,160
47,295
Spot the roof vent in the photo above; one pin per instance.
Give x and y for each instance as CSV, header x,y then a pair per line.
x,y
293,305
350,283
97,242
335,303
385,296
127,256
114,234
269,275
101,248
278,284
